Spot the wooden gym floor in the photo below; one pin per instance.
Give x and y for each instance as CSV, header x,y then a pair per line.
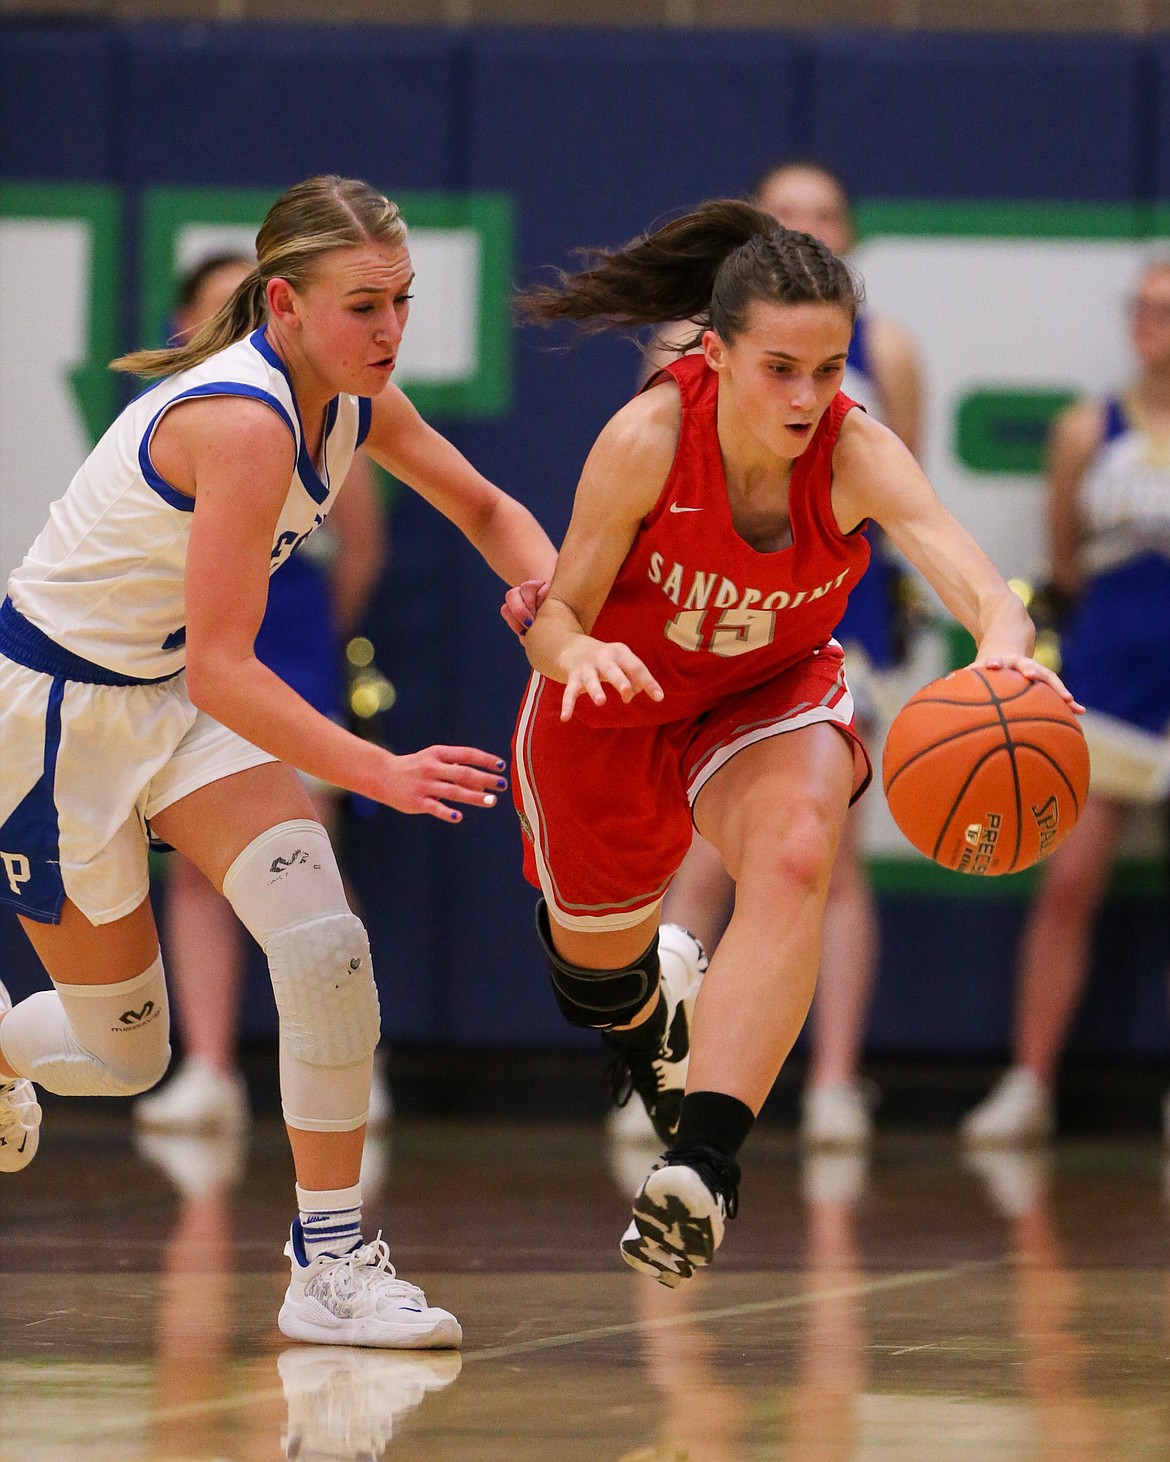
x,y
915,1306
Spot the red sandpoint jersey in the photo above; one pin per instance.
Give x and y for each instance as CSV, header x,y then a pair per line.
x,y
706,613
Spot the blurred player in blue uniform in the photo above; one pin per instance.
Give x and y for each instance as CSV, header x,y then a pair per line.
x,y
1109,547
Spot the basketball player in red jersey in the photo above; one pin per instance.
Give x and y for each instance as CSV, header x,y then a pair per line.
x,y
716,534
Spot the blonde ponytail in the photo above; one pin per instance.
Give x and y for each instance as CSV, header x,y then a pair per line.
x,y
309,220
245,311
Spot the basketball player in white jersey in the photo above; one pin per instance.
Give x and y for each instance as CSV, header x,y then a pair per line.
x,y
132,703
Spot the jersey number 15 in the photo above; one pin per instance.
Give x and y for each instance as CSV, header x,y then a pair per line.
x,y
735,632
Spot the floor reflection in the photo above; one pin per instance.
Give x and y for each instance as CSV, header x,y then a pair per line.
x,y
343,1403
909,1307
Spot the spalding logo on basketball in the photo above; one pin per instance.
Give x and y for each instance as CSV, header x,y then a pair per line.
x,y
986,771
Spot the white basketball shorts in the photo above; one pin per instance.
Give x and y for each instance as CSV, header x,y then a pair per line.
x,y
83,769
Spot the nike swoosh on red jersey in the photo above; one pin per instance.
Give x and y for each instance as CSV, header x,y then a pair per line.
x,y
674,508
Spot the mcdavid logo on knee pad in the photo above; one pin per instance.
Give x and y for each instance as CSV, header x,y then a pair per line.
x,y
130,1018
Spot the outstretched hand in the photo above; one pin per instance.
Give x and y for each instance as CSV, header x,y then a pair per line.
x,y
425,781
595,665
521,603
1033,670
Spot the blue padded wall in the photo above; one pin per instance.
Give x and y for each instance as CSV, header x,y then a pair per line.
x,y
60,118
983,117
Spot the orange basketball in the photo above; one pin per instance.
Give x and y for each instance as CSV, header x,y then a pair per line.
x,y
986,771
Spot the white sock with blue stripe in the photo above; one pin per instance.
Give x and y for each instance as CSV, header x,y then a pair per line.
x,y
330,1222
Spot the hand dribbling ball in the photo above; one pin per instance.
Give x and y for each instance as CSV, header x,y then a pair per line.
x,y
986,771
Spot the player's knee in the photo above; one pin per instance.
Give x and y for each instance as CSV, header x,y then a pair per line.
x,y
326,998
287,889
93,1040
798,856
598,999
133,1080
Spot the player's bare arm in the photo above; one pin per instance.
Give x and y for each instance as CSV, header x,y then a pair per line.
x,y
236,455
875,476
507,535
1073,442
621,481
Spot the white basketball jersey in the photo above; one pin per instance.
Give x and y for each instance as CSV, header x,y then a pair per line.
x,y
1125,495
105,577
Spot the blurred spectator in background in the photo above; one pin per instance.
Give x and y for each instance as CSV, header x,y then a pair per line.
x,y
883,375
315,602
1109,557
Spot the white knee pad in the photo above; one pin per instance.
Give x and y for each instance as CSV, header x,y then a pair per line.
x,y
92,1040
287,889
325,992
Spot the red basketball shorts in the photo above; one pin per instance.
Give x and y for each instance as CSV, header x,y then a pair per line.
x,y
606,812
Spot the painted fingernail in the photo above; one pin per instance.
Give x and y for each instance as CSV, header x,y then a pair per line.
x,y
502,784
500,766
490,800
454,817
528,623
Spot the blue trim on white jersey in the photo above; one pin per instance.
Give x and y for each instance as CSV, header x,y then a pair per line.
x,y
309,475
181,500
24,644
365,412
33,831
1116,421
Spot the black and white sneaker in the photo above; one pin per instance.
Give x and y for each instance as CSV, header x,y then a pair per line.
x,y
660,1077
680,1214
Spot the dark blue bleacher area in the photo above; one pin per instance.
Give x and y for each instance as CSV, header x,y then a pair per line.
x,y
592,135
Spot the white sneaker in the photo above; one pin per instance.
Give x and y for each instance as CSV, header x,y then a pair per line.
x,y
359,1300
20,1115
680,1216
1018,1110
661,1079
198,1098
381,1099
838,1116
344,1403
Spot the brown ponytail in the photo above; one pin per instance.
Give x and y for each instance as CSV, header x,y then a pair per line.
x,y
709,265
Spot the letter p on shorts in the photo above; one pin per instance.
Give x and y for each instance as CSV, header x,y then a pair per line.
x,y
16,870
